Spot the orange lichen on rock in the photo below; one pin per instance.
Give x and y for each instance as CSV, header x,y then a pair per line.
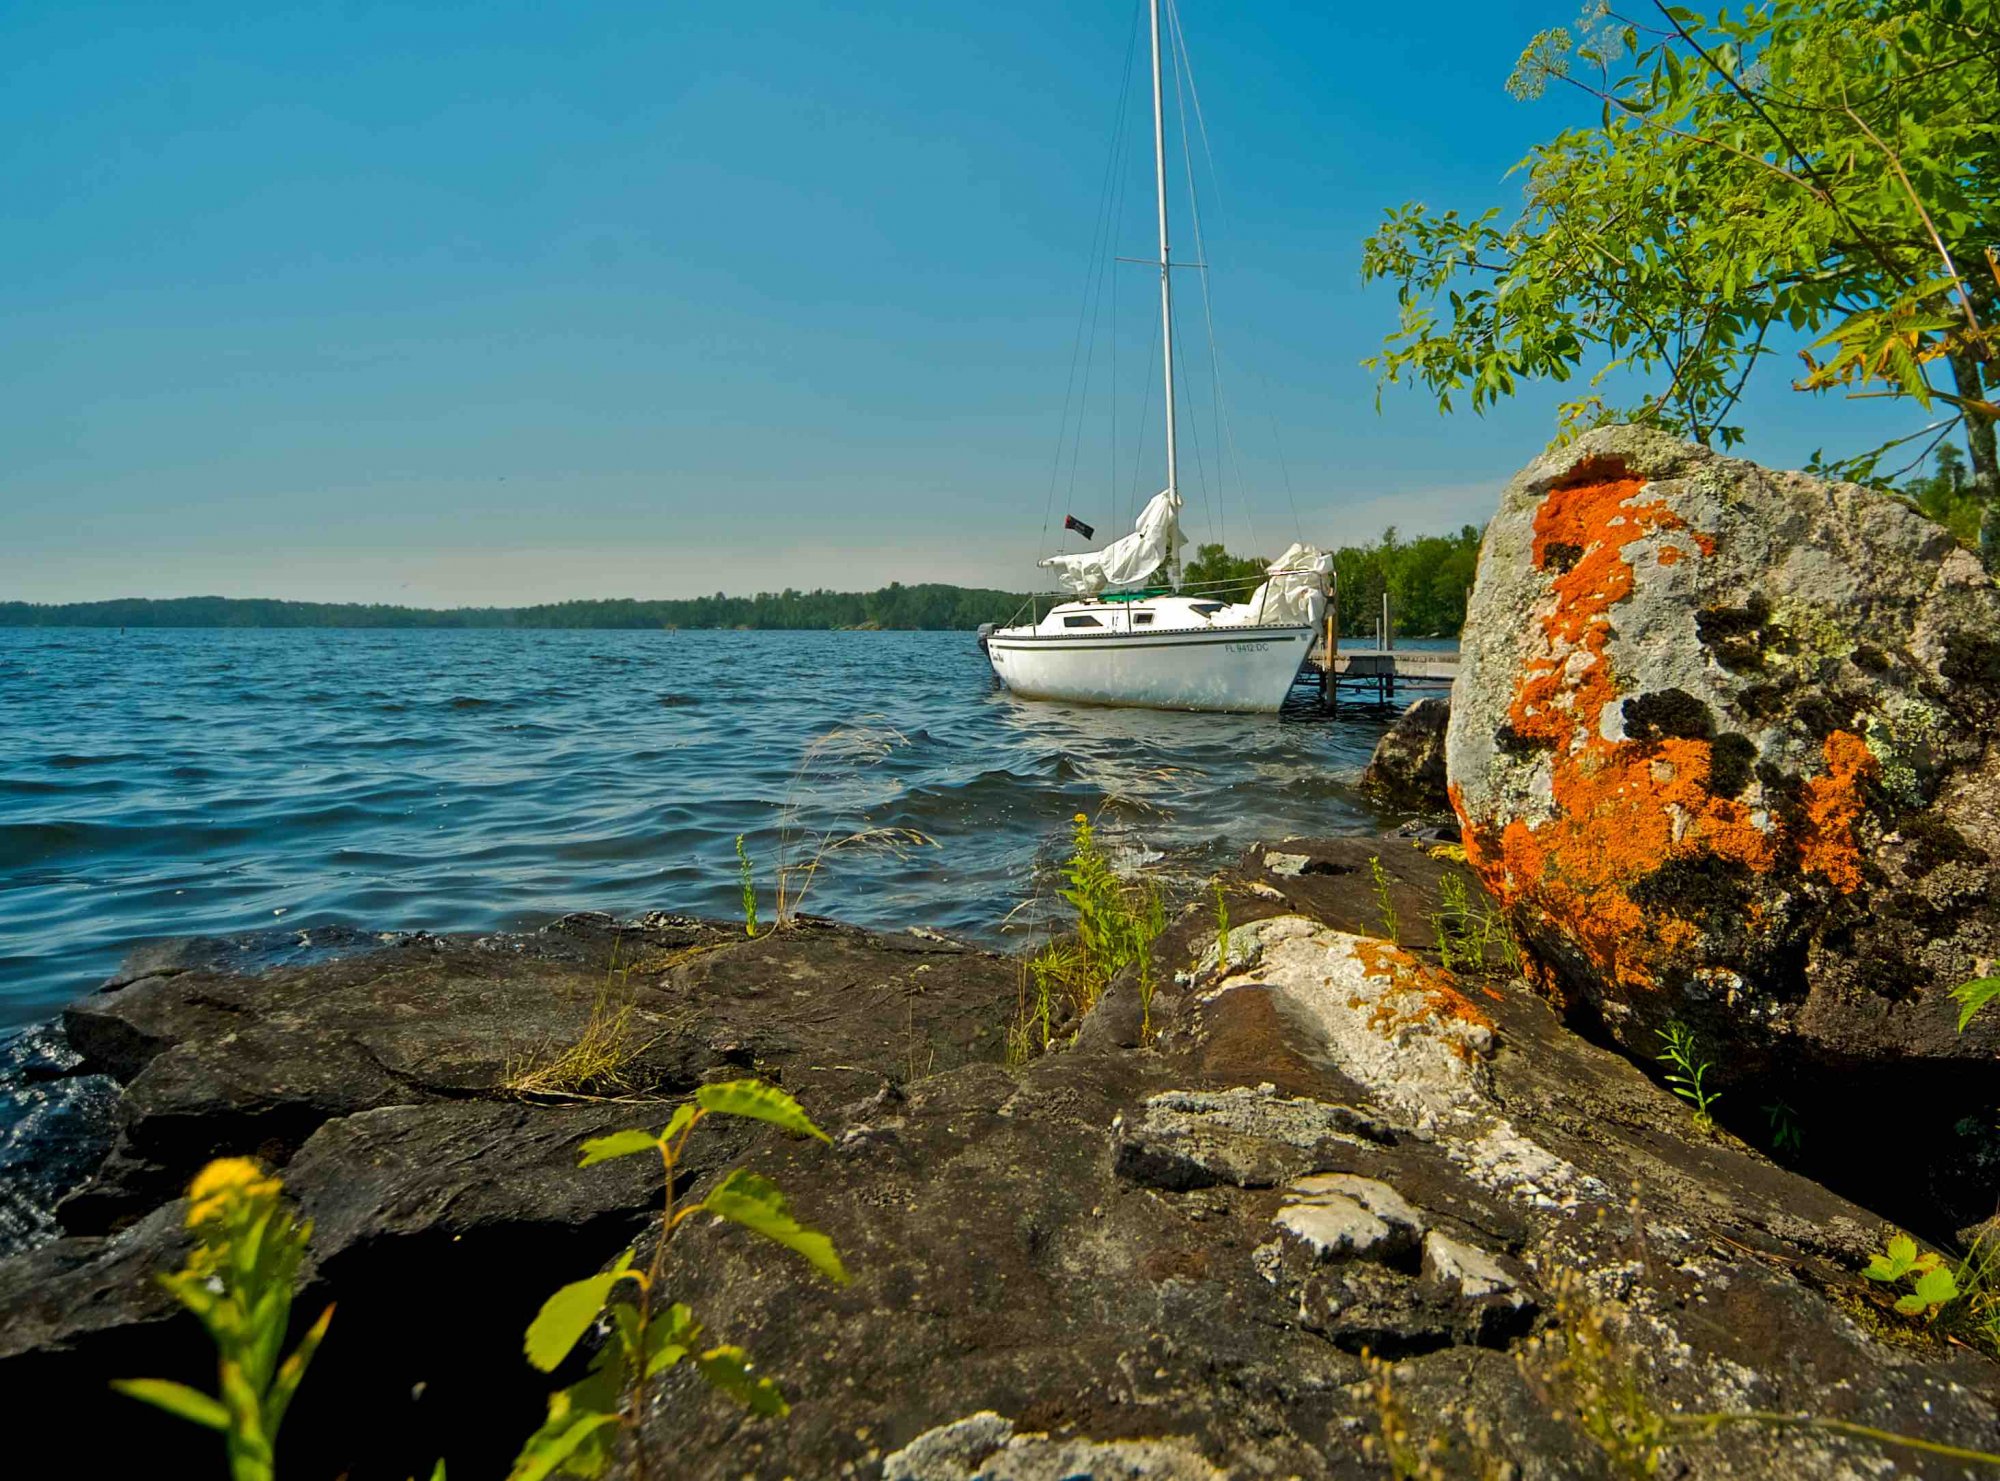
x,y
1622,808
1833,805
1439,995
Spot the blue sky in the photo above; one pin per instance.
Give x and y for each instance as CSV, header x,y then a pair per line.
x,y
504,303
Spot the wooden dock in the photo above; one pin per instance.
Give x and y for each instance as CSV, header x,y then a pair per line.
x,y
1378,670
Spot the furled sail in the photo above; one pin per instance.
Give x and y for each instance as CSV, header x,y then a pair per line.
x,y
1294,595
1128,563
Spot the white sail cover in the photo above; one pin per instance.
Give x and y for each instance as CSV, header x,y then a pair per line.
x,y
1294,595
1125,565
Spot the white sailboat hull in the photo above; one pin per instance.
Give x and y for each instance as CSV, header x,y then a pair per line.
x,y
1238,669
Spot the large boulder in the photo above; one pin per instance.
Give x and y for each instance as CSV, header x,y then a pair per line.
x,y
1722,742
1407,770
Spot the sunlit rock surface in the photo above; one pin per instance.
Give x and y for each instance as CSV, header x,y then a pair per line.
x,y
1724,741
1161,1252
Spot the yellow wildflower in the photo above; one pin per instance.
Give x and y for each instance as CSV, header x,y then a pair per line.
x,y
1081,818
225,1181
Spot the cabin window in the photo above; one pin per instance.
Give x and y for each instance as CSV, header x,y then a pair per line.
x,y
1142,618
1081,622
1209,609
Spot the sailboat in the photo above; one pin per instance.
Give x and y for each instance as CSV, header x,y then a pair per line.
x,y
1121,640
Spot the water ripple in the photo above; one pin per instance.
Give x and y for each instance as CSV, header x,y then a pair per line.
x,y
221,782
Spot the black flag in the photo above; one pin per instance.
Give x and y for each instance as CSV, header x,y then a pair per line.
x,y
1071,522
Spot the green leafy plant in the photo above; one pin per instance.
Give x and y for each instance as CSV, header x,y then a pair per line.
x,y
1116,923
1391,927
1786,1133
1978,1311
1457,942
1221,929
748,879
1862,132
1113,925
648,1335
1973,996
1933,1284
1687,1074
238,1283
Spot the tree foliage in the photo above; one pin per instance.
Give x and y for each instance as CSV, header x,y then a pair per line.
x,y
1426,580
1801,170
1214,572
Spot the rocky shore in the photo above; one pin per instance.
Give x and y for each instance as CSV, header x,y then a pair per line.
x,y
1326,1205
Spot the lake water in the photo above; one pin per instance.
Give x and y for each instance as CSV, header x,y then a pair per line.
x,y
218,782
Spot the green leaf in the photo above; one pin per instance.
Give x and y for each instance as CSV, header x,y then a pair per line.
x,y
1973,996
545,1451
670,1338
1935,1288
760,1102
617,1144
677,1123
1898,1260
178,1399
292,1370
567,1315
727,1370
755,1203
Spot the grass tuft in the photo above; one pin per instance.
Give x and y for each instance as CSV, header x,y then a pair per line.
x,y
599,1062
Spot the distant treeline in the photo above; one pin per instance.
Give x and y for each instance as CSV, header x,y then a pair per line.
x,y
1426,578
894,606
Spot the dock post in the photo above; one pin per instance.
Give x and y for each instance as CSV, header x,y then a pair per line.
x,y
1328,689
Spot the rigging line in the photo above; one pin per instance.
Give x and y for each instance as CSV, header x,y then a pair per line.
x,y
1104,269
1222,215
1219,521
1145,408
1194,440
1178,54
1226,452
1091,269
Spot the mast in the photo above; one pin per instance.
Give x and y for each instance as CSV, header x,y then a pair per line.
x,y
1166,298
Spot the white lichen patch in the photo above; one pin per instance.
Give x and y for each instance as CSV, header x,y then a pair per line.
x,y
1404,1032
986,1447
1287,866
1468,1269
1501,1159
1341,1216
1259,1112
1391,1022
1248,943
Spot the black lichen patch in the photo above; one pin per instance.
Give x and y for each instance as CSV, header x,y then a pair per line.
x,y
1668,714
1730,764
1762,701
1558,556
1823,713
1870,659
1971,659
1704,889
1513,743
1739,637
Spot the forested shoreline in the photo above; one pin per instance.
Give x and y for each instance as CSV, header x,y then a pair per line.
x,y
1426,578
